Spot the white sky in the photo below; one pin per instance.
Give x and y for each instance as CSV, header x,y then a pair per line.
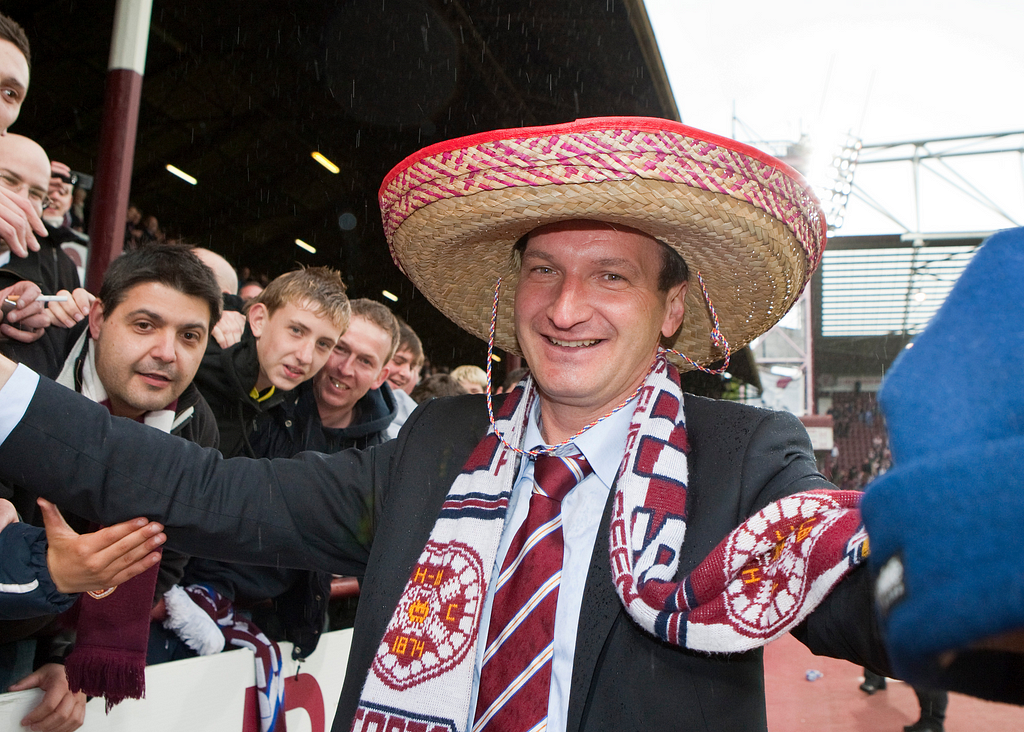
x,y
888,71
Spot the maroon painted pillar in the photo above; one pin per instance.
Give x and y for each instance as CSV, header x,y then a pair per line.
x,y
117,136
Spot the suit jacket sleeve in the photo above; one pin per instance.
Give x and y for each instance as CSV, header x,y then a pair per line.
x,y
769,456
313,511
845,625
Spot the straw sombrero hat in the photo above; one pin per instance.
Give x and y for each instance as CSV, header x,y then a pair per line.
x,y
745,221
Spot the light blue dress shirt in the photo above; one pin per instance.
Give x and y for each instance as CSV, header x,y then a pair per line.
x,y
15,398
603,446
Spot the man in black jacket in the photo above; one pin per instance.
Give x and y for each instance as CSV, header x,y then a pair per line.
x,y
137,353
345,405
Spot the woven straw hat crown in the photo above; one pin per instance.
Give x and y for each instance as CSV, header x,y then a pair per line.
x,y
745,221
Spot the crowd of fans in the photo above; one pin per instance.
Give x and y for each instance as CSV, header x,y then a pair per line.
x,y
180,340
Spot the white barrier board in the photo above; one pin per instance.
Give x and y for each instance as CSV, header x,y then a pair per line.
x,y
214,694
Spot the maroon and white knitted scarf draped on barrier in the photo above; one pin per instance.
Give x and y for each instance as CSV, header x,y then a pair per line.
x,y
761,581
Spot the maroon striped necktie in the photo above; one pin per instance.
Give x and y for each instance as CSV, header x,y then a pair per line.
x,y
516,674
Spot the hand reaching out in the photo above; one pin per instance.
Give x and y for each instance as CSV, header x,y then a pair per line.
x,y
75,309
19,223
229,328
8,514
28,319
105,558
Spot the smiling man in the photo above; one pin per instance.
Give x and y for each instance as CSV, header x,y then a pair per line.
x,y
353,405
25,176
291,331
553,565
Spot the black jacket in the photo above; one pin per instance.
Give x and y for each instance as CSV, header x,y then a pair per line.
x,y
50,268
226,379
369,513
296,427
299,597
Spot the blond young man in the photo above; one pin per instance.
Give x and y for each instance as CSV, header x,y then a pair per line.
x,y
292,327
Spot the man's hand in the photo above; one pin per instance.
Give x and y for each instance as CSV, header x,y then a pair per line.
x,y
8,514
18,221
108,557
58,168
59,710
229,328
28,319
74,310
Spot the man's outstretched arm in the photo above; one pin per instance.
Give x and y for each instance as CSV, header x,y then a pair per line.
x,y
309,512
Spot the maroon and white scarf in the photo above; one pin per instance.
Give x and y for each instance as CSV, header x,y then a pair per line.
x,y
112,625
761,580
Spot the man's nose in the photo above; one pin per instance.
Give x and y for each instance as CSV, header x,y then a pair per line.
x,y
345,364
305,353
163,349
569,304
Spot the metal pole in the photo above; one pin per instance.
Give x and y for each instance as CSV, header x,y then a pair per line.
x,y
812,404
117,136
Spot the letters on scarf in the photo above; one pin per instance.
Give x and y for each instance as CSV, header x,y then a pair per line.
x,y
762,580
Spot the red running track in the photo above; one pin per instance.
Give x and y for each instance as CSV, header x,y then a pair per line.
x,y
833,703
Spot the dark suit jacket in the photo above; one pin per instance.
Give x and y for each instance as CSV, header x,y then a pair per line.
x,y
370,513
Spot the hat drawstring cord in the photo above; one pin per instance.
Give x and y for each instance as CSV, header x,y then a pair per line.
x,y
716,336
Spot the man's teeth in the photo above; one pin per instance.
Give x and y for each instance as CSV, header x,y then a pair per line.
x,y
336,384
573,344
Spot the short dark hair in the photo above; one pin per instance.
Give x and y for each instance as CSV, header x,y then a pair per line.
x,y
409,341
674,270
11,31
378,314
174,266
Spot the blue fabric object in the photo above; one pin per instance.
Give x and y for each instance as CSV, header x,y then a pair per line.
x,y
26,590
947,522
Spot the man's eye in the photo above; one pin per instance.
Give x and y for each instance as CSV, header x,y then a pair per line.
x,y
11,94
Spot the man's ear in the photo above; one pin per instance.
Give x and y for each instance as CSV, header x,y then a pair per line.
x,y
675,307
382,377
95,319
258,317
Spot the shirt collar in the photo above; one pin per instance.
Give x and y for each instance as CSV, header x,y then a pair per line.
x,y
603,445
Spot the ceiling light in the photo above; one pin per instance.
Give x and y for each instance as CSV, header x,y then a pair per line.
x,y
496,358
326,163
181,174
303,245
390,295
